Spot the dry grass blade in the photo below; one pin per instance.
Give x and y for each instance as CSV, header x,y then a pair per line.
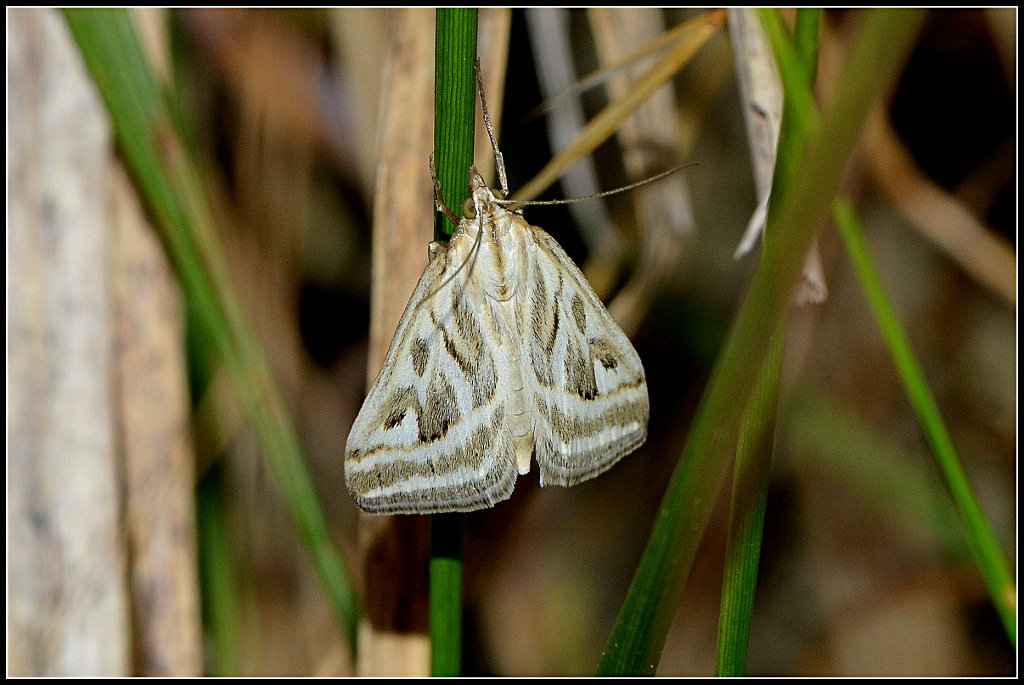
x,y
938,215
607,72
604,125
649,139
393,641
159,462
551,41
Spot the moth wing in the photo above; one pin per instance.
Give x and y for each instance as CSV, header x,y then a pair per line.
x,y
590,392
432,433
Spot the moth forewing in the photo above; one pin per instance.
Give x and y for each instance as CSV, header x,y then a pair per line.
x,y
504,349
591,392
430,436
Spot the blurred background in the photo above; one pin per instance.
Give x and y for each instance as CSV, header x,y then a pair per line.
x,y
864,568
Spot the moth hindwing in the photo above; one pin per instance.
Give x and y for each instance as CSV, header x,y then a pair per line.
x,y
504,351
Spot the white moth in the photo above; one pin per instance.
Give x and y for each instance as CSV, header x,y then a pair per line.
x,y
504,351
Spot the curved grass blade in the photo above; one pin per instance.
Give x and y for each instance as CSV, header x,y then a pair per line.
x,y
982,541
170,188
638,637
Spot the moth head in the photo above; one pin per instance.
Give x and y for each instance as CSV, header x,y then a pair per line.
x,y
481,198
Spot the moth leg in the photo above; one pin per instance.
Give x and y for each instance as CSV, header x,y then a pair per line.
x,y
435,250
439,204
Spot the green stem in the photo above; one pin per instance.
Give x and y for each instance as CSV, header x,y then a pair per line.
x,y
754,452
746,516
454,118
221,605
454,108
446,532
805,40
982,541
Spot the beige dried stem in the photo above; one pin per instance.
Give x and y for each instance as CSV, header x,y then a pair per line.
x,y
934,212
390,641
649,139
159,463
100,462
694,34
939,216
67,594
762,98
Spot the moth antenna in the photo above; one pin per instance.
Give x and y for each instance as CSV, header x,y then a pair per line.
x,y
499,160
515,204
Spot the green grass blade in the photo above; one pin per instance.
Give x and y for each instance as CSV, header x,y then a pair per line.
x,y
805,40
794,68
898,485
746,516
638,637
171,191
446,532
982,541
454,118
454,108
980,537
757,433
221,602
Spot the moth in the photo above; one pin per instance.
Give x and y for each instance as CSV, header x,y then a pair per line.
x,y
504,353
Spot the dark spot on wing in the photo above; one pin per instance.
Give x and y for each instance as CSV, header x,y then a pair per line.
x,y
579,315
440,411
420,356
394,419
579,374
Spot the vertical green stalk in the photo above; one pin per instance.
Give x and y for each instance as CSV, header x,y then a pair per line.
x,y
805,40
221,604
446,532
454,118
746,515
454,108
984,546
756,441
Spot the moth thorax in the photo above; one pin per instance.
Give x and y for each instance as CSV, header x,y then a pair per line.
x,y
501,268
